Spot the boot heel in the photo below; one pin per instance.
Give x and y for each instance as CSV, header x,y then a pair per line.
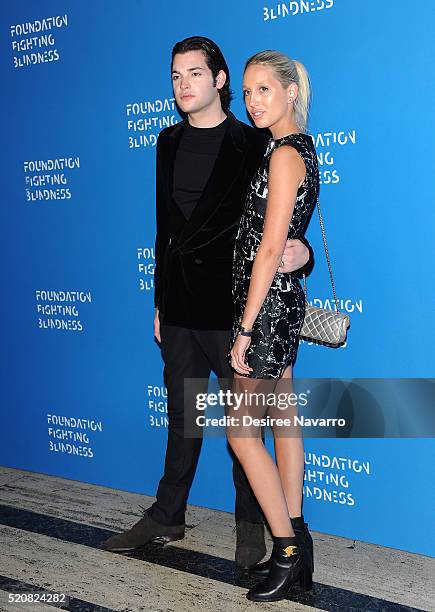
x,y
306,579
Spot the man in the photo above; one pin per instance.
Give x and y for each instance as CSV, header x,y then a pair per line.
x,y
203,169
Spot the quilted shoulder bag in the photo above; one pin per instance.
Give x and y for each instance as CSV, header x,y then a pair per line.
x,y
322,325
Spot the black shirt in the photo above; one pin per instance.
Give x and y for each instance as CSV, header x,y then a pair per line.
x,y
194,161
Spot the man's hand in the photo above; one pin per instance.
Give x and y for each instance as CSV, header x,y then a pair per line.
x,y
157,325
295,256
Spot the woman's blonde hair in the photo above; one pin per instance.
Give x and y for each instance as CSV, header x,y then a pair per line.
x,y
288,71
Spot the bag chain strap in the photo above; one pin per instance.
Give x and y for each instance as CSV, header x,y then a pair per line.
x,y
327,259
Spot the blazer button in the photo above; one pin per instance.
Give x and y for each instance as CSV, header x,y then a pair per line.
x,y
198,261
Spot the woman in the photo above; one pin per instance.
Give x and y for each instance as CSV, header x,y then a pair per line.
x,y
270,309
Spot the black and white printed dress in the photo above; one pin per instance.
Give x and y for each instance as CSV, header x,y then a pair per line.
x,y
275,333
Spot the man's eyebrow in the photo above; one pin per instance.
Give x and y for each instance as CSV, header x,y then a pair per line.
x,y
189,69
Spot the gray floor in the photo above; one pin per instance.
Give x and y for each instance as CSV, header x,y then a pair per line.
x,y
123,583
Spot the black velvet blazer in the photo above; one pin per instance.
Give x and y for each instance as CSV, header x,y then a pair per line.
x,y
192,280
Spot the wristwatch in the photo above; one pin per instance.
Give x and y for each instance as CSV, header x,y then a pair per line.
x,y
245,332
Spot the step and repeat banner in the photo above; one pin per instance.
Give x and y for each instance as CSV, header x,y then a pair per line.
x,y
86,89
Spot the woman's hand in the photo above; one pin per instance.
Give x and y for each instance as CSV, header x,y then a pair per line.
x,y
238,352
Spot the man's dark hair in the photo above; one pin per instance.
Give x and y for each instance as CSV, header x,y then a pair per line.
x,y
213,58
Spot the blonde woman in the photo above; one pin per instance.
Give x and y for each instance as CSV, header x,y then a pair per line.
x,y
270,306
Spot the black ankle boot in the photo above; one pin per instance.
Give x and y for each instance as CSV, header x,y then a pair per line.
x,y
301,529
287,566
261,570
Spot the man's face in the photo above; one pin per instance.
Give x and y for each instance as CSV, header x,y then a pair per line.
x,y
192,81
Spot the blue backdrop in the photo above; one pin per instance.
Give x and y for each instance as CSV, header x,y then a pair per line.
x,y
86,90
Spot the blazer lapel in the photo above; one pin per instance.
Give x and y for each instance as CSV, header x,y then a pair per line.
x,y
171,151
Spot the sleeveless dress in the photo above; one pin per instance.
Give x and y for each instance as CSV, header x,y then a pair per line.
x,y
275,333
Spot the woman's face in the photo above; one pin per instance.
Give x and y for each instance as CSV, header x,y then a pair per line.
x,y
266,100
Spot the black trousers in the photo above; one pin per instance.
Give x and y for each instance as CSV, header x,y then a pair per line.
x,y
191,353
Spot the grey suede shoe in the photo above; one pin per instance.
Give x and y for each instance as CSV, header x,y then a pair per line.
x,y
250,544
144,531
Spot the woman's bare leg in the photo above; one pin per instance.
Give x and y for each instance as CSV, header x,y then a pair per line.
x,y
263,476
289,453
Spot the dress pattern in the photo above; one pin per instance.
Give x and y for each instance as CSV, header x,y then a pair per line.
x,y
275,333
